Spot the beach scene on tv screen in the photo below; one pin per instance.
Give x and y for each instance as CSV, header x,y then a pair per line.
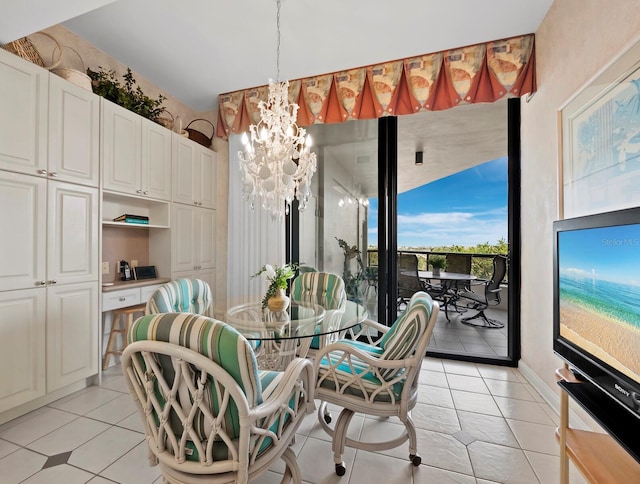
x,y
599,277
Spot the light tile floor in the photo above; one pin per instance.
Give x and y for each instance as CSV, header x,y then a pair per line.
x,y
477,424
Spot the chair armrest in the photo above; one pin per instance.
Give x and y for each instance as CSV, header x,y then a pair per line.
x,y
363,331
368,358
299,370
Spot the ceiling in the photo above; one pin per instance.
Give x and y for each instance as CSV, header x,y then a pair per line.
x,y
197,49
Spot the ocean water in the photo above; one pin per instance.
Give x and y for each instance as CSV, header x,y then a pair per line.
x,y
618,301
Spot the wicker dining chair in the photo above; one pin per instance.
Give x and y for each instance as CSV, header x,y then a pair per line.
x,y
377,376
209,414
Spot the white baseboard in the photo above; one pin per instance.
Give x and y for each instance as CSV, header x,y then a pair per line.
x,y
551,397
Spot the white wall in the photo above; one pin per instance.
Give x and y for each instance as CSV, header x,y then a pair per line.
x,y
575,40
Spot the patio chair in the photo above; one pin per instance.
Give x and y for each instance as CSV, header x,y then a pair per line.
x,y
376,377
460,264
489,297
181,296
408,280
209,414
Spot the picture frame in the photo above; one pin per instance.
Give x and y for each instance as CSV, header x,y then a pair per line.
x,y
599,145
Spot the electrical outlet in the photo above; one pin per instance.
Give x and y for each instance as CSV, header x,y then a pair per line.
x,y
134,263
105,268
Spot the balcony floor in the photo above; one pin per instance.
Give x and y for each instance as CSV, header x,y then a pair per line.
x,y
455,337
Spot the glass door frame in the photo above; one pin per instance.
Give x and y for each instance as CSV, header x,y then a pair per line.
x,y
387,233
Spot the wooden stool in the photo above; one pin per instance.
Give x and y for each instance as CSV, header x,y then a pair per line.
x,y
123,329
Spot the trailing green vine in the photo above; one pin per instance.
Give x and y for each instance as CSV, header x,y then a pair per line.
x,y
130,95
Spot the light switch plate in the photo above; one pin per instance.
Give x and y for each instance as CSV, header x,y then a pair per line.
x,y
105,268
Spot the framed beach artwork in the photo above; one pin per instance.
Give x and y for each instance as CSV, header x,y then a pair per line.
x,y
600,141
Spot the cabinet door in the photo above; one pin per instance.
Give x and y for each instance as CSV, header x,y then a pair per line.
x,y
156,161
72,246
207,177
184,243
74,136
23,115
120,149
23,202
72,333
22,346
206,237
185,171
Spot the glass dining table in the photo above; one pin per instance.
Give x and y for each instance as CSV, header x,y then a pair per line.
x,y
278,337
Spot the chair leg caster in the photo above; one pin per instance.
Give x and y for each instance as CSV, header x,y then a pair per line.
x,y
340,469
415,459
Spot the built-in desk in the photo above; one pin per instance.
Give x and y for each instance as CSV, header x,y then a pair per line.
x,y
123,294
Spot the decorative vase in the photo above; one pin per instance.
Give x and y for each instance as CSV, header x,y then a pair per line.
x,y
279,302
435,271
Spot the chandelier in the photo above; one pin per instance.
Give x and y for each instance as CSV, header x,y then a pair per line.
x,y
276,163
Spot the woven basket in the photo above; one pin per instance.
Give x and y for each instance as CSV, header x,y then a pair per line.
x,y
74,76
24,48
167,121
199,137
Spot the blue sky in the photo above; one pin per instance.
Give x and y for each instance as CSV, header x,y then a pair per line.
x,y
467,208
607,253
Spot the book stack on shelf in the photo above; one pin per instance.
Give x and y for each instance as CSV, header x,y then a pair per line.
x,y
132,219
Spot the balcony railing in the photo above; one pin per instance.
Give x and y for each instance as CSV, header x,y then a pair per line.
x,y
481,263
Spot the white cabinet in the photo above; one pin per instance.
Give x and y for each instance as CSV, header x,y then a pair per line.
x,y
48,286
74,133
156,161
194,168
193,238
72,334
136,154
207,275
23,202
22,346
73,231
23,115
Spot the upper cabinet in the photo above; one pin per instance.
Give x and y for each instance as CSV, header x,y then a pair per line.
x,y
23,115
193,173
136,154
74,133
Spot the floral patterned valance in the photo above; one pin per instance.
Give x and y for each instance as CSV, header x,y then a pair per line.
x,y
475,74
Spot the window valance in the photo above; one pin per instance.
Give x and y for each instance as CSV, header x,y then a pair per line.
x,y
474,74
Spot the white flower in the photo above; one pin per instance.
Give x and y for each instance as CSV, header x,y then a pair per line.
x,y
269,271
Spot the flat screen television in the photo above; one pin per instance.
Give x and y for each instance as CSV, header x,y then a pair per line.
x,y
596,278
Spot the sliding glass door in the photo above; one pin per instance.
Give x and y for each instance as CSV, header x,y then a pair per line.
x,y
394,194
337,231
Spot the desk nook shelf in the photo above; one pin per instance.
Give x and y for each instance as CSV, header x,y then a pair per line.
x,y
115,204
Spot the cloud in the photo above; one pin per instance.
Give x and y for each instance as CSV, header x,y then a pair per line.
x,y
451,228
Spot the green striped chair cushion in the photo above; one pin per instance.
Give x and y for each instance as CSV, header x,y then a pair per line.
x,y
322,288
214,339
401,339
181,296
343,375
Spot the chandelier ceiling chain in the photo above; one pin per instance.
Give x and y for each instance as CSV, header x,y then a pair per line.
x,y
277,164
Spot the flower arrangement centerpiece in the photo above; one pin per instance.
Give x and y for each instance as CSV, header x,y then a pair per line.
x,y
277,277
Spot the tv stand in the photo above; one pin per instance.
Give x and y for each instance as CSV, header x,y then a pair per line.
x,y
599,457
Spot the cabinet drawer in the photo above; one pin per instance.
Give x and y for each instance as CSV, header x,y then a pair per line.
x,y
147,291
120,299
